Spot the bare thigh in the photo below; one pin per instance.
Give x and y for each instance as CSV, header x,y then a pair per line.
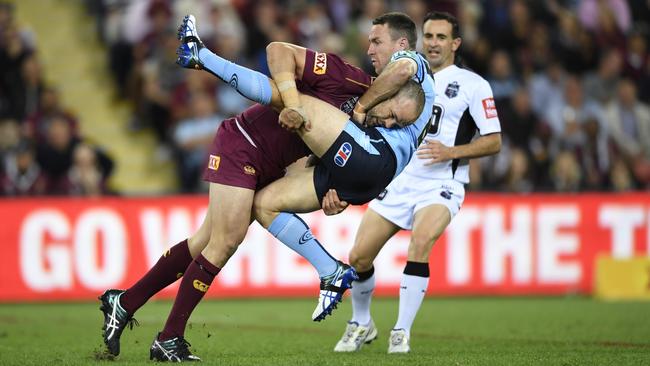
x,y
327,123
374,231
228,218
429,223
292,193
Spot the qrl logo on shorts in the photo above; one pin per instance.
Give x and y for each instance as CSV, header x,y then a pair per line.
x,y
343,154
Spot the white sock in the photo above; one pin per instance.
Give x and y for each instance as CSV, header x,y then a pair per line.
x,y
411,294
361,297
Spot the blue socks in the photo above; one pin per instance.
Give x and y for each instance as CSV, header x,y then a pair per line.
x,y
294,233
249,83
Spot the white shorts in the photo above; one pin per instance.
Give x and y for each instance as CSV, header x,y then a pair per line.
x,y
405,195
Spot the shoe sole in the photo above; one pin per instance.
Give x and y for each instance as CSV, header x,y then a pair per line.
x,y
399,352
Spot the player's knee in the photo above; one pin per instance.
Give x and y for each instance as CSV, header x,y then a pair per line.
x,y
265,209
230,247
420,246
199,240
201,236
222,246
360,262
196,243
262,213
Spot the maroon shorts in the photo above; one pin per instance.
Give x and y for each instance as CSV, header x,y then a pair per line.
x,y
234,160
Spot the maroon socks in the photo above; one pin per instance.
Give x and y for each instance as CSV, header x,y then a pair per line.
x,y
196,282
166,271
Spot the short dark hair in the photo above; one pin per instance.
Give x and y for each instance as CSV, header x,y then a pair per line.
x,y
439,15
400,25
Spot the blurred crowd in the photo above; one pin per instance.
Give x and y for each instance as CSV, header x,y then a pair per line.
x,y
571,79
41,149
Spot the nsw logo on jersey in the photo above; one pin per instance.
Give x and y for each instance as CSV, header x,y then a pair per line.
x,y
452,90
490,108
320,63
341,157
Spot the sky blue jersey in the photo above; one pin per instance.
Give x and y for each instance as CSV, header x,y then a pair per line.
x,y
404,141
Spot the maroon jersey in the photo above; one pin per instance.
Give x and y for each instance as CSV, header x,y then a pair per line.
x,y
252,149
330,79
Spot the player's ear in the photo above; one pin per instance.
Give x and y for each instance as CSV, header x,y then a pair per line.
x,y
455,44
404,43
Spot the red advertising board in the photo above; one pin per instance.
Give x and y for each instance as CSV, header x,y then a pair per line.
x,y
71,249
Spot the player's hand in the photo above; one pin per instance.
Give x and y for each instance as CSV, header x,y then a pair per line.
x,y
358,117
293,118
332,205
434,151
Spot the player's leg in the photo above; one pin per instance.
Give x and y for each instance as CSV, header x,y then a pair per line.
x,y
255,86
374,231
274,209
327,123
229,221
429,223
249,83
372,235
168,269
119,306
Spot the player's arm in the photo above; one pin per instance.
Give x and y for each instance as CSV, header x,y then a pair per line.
x,y
484,113
286,63
436,152
387,84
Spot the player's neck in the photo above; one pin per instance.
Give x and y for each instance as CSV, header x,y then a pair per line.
x,y
441,67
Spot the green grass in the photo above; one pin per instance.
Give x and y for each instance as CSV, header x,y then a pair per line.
x,y
460,331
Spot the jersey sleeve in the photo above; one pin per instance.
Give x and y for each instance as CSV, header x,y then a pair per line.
x,y
328,72
424,77
483,109
422,64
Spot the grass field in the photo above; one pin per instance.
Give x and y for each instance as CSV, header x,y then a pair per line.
x,y
465,331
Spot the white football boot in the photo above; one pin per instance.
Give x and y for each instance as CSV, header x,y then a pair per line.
x,y
355,336
398,341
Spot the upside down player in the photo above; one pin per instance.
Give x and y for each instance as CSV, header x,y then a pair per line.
x,y
224,226
274,208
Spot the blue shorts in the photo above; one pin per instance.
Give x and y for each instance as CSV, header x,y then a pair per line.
x,y
359,165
